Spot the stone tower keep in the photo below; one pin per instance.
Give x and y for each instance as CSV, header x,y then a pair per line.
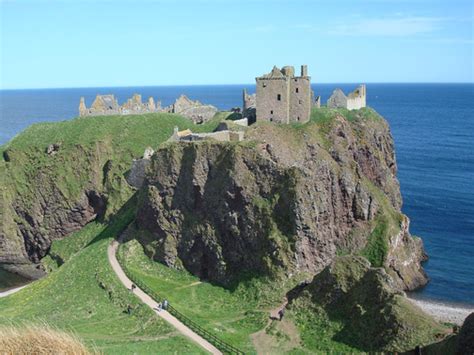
x,y
283,97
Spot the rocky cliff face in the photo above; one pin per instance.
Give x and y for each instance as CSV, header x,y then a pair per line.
x,y
47,197
365,301
285,202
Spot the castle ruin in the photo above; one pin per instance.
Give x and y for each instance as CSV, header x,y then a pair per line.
x,y
283,97
354,101
105,105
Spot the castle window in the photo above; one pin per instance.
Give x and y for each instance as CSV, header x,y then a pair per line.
x,y
279,97
298,118
297,90
264,85
271,119
300,102
271,112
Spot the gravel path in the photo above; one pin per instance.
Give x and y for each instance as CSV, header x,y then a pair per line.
x,y
112,249
11,291
444,312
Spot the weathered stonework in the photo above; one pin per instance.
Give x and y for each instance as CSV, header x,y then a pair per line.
x,y
249,107
104,105
221,136
194,110
354,101
283,97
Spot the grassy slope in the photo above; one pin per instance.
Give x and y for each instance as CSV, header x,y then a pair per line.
x,y
84,295
231,315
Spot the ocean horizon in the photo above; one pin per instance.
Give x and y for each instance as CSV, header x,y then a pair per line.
x,y
433,129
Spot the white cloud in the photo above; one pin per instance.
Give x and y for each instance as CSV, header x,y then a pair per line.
x,y
396,26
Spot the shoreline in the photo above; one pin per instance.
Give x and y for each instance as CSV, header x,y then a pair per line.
x,y
444,312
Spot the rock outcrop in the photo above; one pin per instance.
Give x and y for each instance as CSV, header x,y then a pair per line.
x,y
286,204
41,202
374,314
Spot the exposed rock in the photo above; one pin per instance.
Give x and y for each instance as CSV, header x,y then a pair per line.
x,y
375,315
287,205
465,341
136,175
47,208
53,148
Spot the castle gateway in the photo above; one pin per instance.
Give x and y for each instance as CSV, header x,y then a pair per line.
x,y
283,97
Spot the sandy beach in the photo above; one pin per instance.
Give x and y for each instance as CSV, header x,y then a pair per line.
x,y
444,312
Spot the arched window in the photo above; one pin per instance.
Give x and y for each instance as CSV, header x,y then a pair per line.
x,y
279,97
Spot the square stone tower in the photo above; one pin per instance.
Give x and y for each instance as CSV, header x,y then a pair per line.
x,y
283,97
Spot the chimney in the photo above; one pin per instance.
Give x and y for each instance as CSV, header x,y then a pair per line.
x,y
304,70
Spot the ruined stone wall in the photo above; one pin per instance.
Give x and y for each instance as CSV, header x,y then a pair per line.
x,y
354,101
300,99
357,98
273,99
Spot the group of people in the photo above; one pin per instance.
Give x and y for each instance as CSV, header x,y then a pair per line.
x,y
160,306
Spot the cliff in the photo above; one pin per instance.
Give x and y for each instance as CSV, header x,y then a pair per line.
x,y
284,203
57,177
362,308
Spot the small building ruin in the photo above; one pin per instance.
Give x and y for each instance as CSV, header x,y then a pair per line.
x,y
354,101
221,136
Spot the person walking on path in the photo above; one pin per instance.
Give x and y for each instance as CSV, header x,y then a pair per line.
x,y
281,313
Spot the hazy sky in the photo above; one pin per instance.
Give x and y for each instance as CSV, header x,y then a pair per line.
x,y
137,43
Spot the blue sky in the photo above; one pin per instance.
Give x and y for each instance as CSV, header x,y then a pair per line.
x,y
137,43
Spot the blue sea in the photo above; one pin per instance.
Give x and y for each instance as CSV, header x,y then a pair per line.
x,y
433,128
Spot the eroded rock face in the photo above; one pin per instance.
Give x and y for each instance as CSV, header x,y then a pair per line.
x,y
59,197
285,205
374,314
465,341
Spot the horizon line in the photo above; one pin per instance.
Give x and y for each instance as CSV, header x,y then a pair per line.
x,y
234,84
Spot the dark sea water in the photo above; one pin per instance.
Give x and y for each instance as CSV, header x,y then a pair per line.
x,y
433,128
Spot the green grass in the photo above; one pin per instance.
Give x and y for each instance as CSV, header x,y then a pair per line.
x,y
84,296
231,315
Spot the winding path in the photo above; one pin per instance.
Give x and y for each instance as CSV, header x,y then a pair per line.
x,y
183,329
11,291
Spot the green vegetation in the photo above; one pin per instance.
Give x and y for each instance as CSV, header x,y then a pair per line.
x,y
82,294
85,297
232,315
351,307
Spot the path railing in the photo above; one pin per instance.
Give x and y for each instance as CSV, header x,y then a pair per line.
x,y
211,338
